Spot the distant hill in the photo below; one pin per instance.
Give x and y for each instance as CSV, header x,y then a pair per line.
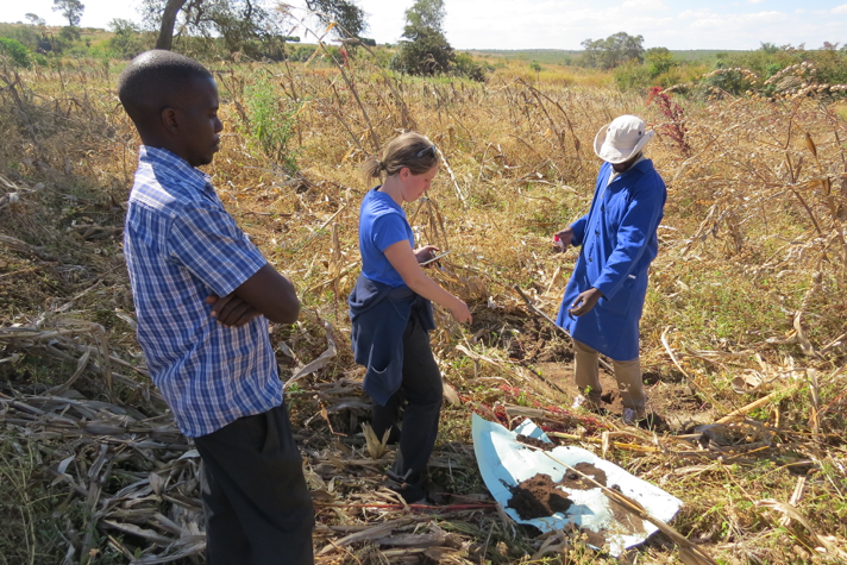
x,y
565,56
548,56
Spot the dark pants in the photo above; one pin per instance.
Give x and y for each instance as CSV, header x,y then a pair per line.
x,y
421,390
258,509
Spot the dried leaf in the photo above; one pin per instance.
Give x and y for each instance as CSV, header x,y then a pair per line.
x,y
376,447
450,394
318,362
803,341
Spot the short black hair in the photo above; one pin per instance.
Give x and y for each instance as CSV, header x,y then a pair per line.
x,y
154,80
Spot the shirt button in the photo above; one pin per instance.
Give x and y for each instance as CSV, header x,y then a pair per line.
x,y
602,208
589,260
597,233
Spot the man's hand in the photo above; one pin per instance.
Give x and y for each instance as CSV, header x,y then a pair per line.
x,y
585,302
564,238
231,311
425,253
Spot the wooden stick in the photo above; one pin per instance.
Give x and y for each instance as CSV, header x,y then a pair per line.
x,y
757,404
536,310
622,445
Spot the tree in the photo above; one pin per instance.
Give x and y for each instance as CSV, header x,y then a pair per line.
x,y
245,26
348,15
617,49
127,40
425,14
35,19
659,60
70,9
240,21
425,51
167,22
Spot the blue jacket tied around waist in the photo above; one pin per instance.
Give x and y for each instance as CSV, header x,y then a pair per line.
x,y
619,241
379,314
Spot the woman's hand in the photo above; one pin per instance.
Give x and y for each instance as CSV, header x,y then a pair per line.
x,y
405,261
426,253
460,311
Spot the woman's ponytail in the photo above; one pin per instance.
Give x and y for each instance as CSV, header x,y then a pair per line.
x,y
411,150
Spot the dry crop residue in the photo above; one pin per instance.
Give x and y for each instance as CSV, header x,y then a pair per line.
x,y
538,497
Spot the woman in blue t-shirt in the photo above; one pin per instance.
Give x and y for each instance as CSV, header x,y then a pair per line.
x,y
392,313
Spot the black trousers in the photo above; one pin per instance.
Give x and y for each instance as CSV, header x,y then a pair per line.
x,y
419,400
258,509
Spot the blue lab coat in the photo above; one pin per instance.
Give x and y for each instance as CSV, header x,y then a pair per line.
x,y
618,239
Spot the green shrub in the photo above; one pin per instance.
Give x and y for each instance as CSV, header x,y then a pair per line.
x,y
29,36
632,76
659,61
733,80
128,40
466,66
16,51
270,125
429,53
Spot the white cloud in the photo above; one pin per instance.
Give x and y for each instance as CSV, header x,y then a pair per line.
x,y
644,5
756,1
840,9
693,14
737,21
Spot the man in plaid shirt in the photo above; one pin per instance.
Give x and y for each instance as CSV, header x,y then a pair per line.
x,y
203,296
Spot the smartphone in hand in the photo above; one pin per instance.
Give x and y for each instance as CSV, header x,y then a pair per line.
x,y
436,257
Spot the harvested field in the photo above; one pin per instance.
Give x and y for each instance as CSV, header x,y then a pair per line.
x,y
744,326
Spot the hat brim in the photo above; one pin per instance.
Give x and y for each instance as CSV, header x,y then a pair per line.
x,y
612,155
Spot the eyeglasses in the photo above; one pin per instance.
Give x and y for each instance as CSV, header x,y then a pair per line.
x,y
425,150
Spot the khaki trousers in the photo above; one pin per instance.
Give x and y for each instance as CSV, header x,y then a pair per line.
x,y
628,374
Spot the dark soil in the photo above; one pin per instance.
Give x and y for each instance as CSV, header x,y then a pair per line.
x,y
573,480
538,497
535,442
625,521
598,540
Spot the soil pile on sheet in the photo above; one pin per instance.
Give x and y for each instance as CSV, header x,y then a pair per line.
x,y
538,497
573,480
538,443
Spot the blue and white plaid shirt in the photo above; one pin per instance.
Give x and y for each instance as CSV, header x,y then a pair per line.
x,y
181,246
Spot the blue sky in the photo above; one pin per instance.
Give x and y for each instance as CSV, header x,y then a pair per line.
x,y
563,24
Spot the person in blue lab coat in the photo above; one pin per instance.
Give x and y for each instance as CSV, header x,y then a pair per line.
x,y
603,300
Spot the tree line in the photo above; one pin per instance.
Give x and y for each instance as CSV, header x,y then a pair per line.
x,y
257,29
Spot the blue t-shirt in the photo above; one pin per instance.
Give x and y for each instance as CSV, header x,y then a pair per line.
x,y
382,222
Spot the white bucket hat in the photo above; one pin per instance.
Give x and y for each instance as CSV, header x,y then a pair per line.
x,y
621,139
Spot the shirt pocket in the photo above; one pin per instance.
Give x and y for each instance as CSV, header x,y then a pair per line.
x,y
621,302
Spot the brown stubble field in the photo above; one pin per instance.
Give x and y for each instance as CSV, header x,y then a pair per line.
x,y
746,304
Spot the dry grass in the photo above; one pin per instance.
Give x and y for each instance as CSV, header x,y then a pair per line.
x,y
747,302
